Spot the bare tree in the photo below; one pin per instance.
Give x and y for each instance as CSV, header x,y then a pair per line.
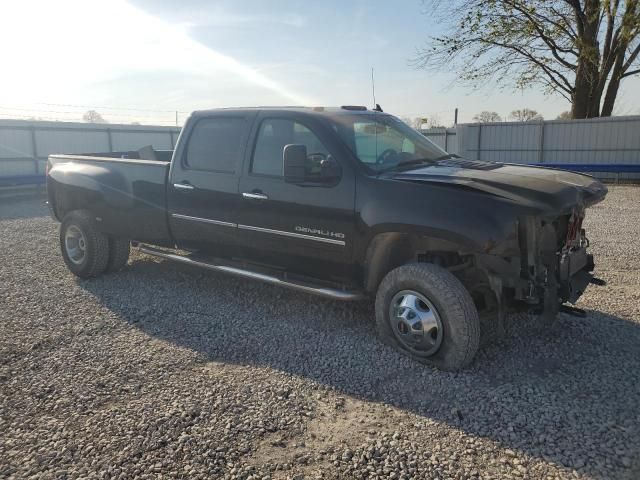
x,y
525,115
566,115
91,116
418,123
415,122
580,49
486,117
434,121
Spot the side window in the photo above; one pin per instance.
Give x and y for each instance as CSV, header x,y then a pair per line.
x,y
273,135
215,144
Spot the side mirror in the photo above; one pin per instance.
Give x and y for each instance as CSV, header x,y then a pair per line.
x,y
294,158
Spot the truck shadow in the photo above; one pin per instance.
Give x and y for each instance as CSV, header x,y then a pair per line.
x,y
544,392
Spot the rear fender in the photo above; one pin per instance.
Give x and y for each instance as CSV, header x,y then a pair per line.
x,y
85,184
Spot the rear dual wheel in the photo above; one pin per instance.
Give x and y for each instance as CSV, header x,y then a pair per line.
x,y
87,251
425,312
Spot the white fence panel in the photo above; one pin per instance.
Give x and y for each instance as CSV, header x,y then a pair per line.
x,y
123,141
607,141
70,141
25,145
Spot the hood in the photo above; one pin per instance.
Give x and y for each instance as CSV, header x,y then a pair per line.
x,y
541,188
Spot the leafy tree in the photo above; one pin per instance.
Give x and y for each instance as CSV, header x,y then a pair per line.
x,y
91,116
566,115
580,49
487,117
525,115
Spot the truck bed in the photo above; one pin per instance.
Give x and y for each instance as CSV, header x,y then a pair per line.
x,y
127,193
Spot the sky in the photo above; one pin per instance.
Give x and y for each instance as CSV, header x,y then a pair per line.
x,y
145,60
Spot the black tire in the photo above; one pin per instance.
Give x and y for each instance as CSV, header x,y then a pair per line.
x,y
96,244
457,314
119,249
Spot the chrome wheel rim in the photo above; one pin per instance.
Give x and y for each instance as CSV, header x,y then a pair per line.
x,y
75,244
416,323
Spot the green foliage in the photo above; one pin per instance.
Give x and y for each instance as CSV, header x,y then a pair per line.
x,y
579,49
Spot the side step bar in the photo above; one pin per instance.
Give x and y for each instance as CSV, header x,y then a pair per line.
x,y
304,287
574,311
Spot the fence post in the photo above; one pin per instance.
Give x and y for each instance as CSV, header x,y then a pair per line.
x,y
541,143
34,149
110,140
446,138
479,141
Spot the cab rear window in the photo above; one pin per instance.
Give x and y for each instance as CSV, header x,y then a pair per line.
x,y
216,144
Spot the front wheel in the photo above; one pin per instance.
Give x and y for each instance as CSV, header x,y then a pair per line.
x,y
84,248
425,312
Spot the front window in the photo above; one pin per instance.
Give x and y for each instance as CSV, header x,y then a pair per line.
x,y
273,135
383,142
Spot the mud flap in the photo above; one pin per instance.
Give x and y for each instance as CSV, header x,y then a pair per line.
x,y
551,304
578,285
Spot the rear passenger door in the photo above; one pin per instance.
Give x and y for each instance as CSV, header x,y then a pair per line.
x,y
203,195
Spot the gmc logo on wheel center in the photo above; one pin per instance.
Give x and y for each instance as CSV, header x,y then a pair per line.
x,y
318,231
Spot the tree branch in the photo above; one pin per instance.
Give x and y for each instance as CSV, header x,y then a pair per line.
x,y
542,35
629,73
562,82
631,59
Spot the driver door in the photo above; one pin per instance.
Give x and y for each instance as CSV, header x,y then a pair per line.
x,y
307,229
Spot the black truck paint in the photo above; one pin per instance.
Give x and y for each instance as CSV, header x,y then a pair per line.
x,y
510,234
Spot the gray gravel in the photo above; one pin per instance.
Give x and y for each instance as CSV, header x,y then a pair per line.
x,y
166,371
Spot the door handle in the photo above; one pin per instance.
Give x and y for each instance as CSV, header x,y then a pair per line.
x,y
183,186
255,196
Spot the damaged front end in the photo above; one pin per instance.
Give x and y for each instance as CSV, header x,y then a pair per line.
x,y
545,268
554,263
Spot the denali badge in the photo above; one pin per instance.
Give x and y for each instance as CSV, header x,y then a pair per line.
x,y
318,231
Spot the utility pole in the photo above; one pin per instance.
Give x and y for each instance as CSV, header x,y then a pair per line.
x,y
176,118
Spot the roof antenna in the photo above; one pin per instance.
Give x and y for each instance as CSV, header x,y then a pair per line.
x,y
377,108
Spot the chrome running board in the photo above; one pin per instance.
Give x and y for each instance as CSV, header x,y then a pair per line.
x,y
333,293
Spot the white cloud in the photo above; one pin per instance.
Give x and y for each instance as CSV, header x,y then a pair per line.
x,y
57,51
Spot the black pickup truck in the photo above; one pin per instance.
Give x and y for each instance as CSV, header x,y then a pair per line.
x,y
348,203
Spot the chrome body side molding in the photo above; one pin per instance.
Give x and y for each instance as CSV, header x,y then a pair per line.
x,y
204,220
261,229
293,234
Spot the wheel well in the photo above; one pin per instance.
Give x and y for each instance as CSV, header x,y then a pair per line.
x,y
392,249
64,203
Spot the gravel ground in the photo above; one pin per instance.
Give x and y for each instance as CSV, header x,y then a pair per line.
x,y
167,371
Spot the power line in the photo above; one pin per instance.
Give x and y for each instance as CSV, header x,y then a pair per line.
x,y
13,116
37,110
110,108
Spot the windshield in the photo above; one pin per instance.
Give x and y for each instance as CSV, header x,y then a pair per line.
x,y
383,142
